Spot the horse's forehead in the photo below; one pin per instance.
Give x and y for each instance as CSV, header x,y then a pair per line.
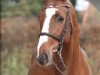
x,y
51,11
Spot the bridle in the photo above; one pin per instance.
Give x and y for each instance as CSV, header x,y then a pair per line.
x,y
60,38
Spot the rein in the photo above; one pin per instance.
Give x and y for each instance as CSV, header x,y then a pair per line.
x,y
60,38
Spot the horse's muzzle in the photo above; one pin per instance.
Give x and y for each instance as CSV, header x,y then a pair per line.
x,y
43,59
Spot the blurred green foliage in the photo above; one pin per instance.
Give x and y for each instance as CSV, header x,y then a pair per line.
x,y
14,63
27,8
20,7
73,2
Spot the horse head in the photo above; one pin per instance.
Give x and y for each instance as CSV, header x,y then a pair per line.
x,y
56,29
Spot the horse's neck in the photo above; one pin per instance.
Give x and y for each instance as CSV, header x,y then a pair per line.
x,y
68,53
73,48
75,59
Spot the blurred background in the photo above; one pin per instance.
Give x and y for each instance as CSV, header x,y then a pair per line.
x,y
20,29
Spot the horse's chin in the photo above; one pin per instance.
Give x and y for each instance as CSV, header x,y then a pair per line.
x,y
48,64
45,65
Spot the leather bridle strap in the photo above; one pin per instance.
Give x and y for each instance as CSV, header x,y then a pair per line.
x,y
50,35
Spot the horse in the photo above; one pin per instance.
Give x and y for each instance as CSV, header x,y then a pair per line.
x,y
58,50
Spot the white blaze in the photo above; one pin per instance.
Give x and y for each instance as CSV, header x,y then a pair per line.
x,y
49,13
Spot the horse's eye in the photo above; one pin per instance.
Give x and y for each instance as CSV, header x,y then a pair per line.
x,y
60,18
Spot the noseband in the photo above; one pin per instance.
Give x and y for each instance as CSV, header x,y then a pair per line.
x,y
60,38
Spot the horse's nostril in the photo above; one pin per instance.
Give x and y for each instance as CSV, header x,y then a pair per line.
x,y
45,56
43,59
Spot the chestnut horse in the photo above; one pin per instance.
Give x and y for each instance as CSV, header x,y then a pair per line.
x,y
58,50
